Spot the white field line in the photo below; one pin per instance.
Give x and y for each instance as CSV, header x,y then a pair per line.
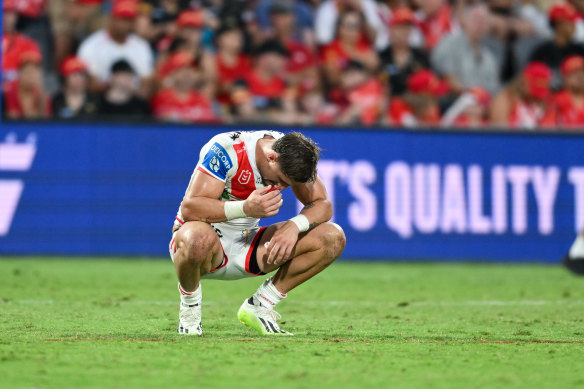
x,y
479,303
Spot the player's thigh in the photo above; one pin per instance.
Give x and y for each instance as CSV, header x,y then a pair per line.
x,y
328,235
198,242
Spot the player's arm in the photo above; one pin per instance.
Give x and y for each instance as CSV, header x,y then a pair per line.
x,y
202,202
317,210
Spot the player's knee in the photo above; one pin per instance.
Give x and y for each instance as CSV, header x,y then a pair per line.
x,y
196,242
333,240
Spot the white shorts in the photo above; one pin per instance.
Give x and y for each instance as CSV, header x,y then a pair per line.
x,y
239,252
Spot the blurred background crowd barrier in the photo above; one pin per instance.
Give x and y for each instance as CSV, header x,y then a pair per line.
x,y
104,189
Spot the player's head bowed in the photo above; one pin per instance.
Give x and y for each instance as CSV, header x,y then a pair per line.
x,y
297,156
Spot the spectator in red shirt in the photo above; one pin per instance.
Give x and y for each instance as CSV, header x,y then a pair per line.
x,y
25,98
74,101
181,102
301,63
419,106
348,45
230,62
13,43
190,24
267,84
569,102
363,94
525,102
435,20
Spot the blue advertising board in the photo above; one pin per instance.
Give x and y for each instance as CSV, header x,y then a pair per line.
x,y
100,189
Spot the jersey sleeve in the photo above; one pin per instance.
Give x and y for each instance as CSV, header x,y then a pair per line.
x,y
215,161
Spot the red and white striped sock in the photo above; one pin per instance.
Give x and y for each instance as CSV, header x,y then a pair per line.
x,y
268,295
191,298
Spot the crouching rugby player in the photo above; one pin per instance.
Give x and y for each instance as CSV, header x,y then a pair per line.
x,y
216,235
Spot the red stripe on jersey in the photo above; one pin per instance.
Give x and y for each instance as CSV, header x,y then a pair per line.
x,y
243,183
224,263
253,244
180,221
201,169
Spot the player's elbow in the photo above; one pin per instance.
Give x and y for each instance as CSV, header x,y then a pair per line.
x,y
188,210
327,207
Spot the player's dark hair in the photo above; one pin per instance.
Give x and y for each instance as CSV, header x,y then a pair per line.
x,y
297,156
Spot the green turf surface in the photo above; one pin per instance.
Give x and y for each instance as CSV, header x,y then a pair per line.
x,y
112,324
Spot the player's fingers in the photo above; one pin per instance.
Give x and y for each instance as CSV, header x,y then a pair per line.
x,y
277,255
275,207
263,190
280,255
273,199
272,213
288,252
271,252
271,195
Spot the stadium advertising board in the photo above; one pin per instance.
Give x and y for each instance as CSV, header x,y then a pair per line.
x,y
114,190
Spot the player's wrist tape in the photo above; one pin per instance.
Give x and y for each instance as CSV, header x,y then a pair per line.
x,y
234,210
301,222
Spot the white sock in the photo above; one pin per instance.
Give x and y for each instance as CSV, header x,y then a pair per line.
x,y
191,298
267,294
577,249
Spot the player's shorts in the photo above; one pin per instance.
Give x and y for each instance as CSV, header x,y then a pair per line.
x,y
239,252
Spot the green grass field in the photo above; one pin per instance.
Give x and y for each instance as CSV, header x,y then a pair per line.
x,y
79,323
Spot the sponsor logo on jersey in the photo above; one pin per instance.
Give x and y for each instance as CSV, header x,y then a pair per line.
x,y
221,155
244,177
216,162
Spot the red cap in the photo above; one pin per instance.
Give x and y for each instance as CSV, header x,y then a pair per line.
x,y
72,65
481,95
176,61
9,6
191,18
30,56
423,81
538,77
571,64
563,11
402,15
125,9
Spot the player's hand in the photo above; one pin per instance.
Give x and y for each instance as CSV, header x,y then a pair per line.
x,y
282,243
260,203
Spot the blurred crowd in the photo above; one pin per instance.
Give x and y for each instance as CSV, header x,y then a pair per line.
x,y
407,63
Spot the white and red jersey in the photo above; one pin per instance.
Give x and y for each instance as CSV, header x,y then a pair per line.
x,y
230,157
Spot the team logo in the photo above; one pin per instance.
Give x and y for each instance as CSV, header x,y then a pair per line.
x,y
14,157
244,177
214,164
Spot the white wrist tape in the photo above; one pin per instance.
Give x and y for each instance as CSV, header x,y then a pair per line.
x,y
301,222
234,210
